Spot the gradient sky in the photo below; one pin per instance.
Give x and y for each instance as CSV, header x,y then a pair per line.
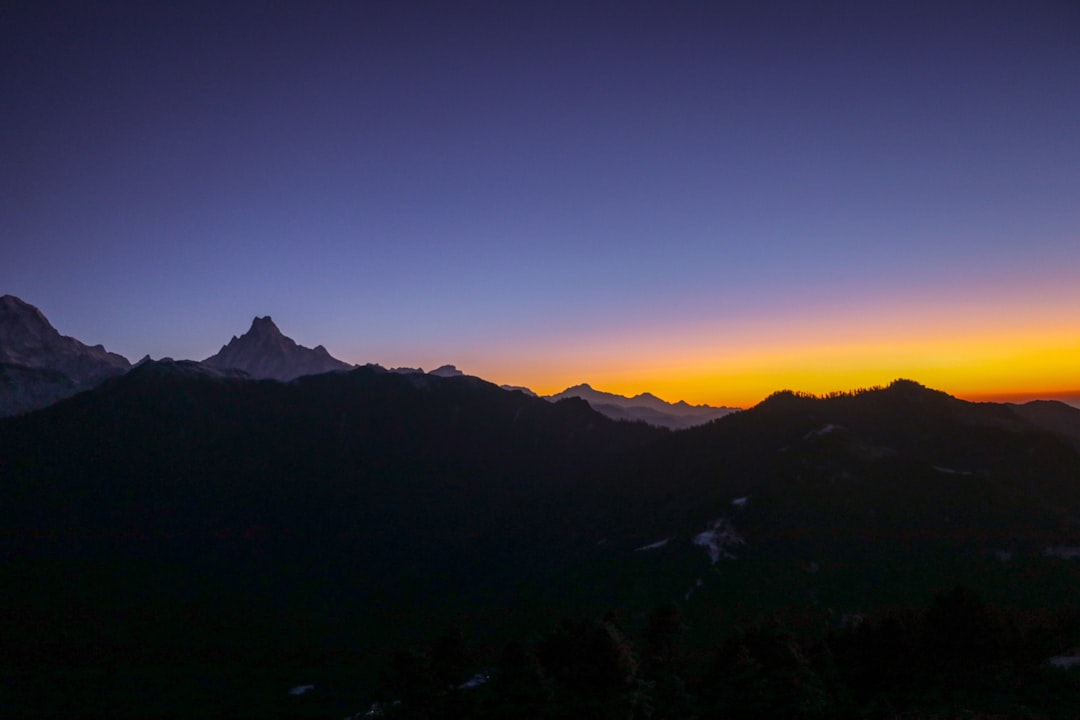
x,y
709,201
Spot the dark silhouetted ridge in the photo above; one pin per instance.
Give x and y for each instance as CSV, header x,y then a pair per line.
x,y
180,516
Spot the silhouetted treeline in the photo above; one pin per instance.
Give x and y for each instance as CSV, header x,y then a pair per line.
x,y
958,657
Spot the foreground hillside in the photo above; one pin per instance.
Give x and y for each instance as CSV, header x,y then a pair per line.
x,y
179,517
180,541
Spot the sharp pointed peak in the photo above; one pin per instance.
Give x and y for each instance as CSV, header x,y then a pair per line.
x,y
265,352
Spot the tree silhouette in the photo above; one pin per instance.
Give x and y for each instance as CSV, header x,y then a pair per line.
x,y
520,688
763,673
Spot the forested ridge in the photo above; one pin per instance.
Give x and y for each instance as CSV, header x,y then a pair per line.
x,y
957,657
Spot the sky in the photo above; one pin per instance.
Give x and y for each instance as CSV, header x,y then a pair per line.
x,y
709,201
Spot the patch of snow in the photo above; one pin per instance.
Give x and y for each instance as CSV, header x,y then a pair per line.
x,y
301,690
1065,552
376,710
824,430
720,536
654,546
951,471
475,681
740,502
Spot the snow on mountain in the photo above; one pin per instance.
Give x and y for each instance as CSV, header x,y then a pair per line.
x,y
446,371
28,339
39,366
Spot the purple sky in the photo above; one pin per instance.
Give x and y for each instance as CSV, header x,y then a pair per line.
x,y
419,183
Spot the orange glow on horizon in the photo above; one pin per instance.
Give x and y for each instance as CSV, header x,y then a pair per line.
x,y
988,366
993,342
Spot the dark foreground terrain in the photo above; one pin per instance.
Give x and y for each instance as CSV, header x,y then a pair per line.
x,y
183,543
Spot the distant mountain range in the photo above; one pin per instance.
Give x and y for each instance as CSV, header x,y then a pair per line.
x,y
645,407
39,366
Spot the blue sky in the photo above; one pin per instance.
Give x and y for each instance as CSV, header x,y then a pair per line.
x,y
546,192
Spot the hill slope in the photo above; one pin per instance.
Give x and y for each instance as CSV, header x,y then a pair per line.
x,y
179,518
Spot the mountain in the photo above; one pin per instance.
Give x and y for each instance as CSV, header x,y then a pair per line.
x,y
645,407
39,366
263,352
27,339
214,540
